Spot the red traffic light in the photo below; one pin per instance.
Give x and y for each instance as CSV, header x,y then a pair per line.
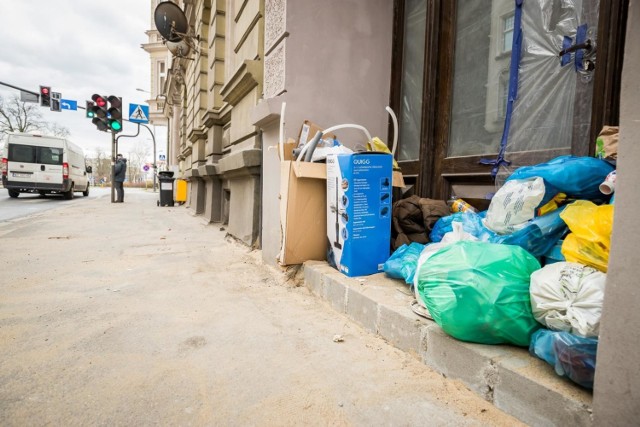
x,y
99,100
44,90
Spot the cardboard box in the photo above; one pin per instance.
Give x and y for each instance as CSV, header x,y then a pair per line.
x,y
359,211
308,130
303,206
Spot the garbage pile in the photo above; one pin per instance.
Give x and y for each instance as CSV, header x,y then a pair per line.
x,y
529,271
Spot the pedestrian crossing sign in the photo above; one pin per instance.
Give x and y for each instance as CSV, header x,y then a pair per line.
x,y
138,113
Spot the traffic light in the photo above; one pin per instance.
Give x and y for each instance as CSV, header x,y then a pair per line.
x,y
55,101
45,96
99,110
115,114
89,114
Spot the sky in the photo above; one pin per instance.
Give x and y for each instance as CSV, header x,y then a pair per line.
x,y
79,47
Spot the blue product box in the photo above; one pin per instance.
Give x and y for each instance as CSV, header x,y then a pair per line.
x,y
359,212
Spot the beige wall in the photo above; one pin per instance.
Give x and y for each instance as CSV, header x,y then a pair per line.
x,y
617,385
333,67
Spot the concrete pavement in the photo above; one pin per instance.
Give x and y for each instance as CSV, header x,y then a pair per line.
x,y
131,314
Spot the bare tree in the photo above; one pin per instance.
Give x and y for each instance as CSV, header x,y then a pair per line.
x,y
101,165
19,116
136,160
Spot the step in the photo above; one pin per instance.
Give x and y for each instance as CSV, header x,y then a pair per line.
x,y
507,376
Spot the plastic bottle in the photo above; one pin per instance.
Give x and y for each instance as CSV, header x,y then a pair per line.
x,y
459,205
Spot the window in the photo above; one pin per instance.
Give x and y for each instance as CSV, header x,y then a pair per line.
x,y
22,153
49,156
162,76
503,94
507,33
410,112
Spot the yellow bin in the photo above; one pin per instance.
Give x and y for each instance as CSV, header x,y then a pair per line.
x,y
181,190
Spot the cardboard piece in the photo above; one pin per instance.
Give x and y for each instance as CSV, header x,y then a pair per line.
x,y
302,212
308,130
359,211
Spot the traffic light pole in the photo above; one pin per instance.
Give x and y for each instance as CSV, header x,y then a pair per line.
x,y
155,166
114,151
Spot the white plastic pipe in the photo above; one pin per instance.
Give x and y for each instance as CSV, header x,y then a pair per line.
x,y
394,119
349,125
282,110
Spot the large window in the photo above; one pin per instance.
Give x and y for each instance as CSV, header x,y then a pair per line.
x,y
451,83
410,111
31,154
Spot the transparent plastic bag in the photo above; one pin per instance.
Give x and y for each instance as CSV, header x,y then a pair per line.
x,y
571,356
590,237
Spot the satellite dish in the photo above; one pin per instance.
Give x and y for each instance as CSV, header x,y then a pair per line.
x,y
180,49
171,21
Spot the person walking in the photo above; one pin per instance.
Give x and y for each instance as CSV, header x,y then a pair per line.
x,y
119,176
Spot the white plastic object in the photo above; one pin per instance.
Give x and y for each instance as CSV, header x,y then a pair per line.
x,y
514,204
282,110
394,119
349,125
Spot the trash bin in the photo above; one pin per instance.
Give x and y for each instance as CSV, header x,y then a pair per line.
x,y
166,188
181,191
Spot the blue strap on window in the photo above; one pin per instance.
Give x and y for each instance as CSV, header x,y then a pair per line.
x,y
566,44
516,52
581,37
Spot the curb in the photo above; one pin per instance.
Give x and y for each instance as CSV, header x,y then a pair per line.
x,y
507,376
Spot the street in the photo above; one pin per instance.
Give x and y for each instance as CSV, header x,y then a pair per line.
x,y
104,322
29,204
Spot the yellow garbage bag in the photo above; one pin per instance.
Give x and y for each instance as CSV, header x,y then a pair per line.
x,y
376,144
590,237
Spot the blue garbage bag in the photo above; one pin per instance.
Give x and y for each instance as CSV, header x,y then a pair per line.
x,y
471,223
403,262
571,356
540,235
577,177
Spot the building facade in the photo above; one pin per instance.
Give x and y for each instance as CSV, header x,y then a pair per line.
x,y
443,66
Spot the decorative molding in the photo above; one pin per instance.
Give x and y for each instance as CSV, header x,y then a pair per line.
x,y
275,12
248,76
274,71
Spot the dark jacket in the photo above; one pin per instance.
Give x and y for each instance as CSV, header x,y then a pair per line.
x,y
121,170
414,218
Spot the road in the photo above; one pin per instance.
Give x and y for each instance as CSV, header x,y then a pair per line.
x,y
133,314
29,204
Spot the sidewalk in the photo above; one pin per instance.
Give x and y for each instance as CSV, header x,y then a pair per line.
x,y
108,310
133,314
507,376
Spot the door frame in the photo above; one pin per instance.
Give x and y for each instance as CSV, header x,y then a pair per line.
x,y
429,171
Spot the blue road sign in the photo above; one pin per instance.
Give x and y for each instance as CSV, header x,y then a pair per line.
x,y
68,104
138,113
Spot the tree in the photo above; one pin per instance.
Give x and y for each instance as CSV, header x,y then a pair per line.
x,y
137,155
101,165
19,116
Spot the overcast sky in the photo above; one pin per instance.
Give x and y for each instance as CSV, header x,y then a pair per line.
x,y
79,47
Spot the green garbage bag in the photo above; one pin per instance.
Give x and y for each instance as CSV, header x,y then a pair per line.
x,y
479,292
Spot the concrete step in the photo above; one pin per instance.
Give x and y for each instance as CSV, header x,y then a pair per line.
x,y
508,376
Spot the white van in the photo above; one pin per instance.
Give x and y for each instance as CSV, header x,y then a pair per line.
x,y
34,163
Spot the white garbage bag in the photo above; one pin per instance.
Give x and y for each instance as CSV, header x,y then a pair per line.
x,y
567,296
514,204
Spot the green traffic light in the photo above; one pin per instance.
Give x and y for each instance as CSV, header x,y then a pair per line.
x,y
117,126
90,114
